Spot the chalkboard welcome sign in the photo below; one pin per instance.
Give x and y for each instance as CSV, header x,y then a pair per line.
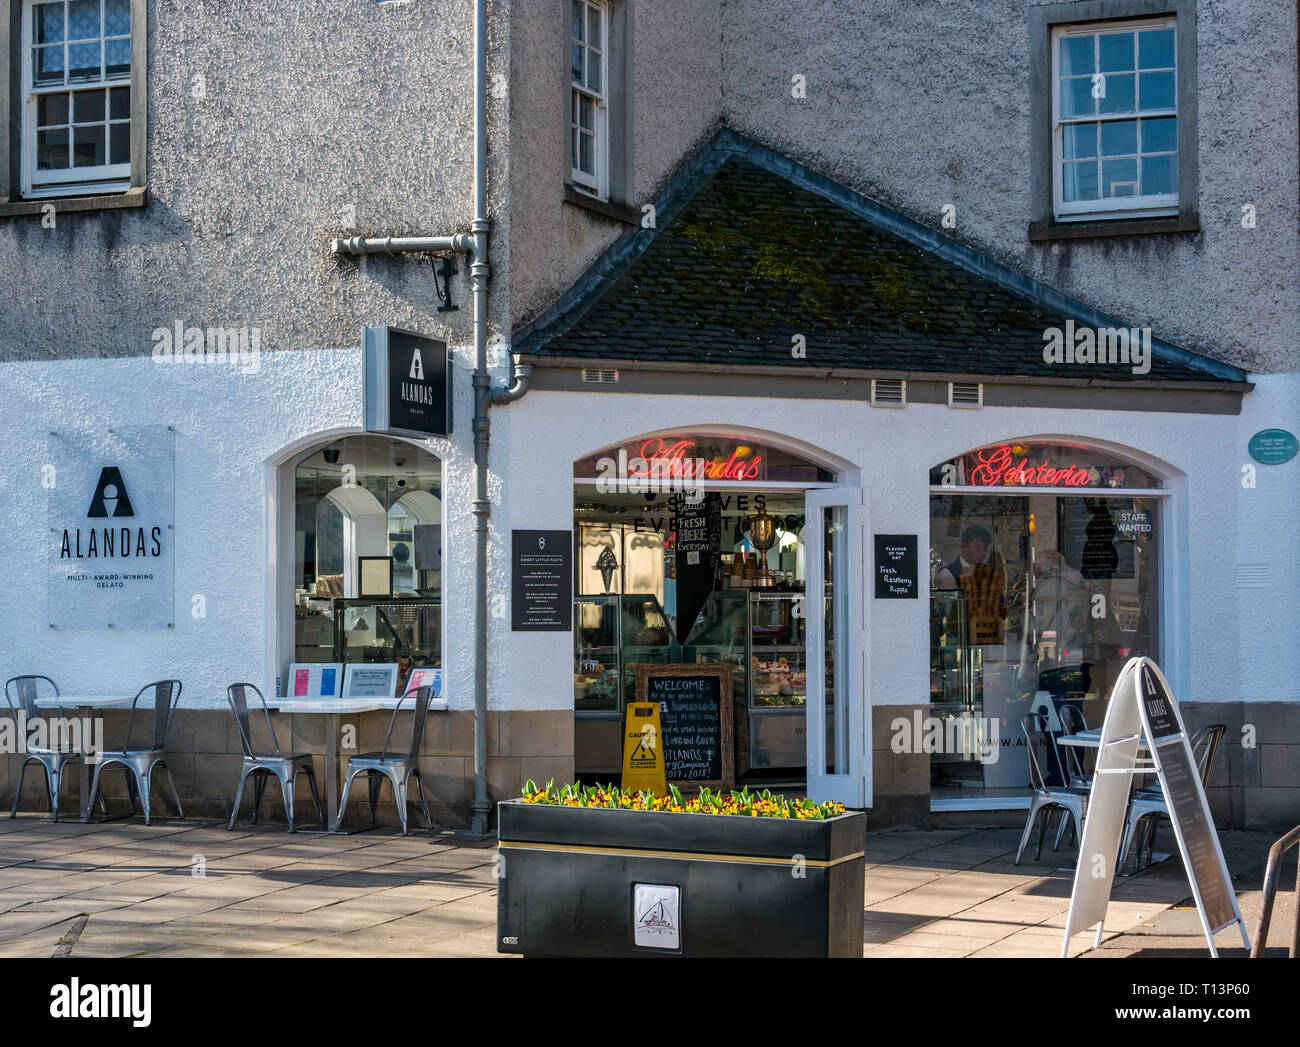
x,y
695,720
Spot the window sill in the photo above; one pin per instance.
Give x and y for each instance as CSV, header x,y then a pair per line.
x,y
134,197
617,212
1045,231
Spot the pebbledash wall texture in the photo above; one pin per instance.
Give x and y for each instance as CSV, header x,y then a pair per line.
x,y
325,118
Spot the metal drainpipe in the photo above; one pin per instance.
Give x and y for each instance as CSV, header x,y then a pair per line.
x,y
479,271
474,244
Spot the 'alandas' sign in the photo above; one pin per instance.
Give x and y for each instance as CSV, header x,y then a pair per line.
x,y
111,507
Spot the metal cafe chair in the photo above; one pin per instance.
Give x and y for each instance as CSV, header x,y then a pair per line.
x,y
139,763
21,694
1149,803
1046,799
284,767
1073,769
396,767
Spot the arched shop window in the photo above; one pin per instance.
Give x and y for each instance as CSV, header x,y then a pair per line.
x,y
1044,580
368,496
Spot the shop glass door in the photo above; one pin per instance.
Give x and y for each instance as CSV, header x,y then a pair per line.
x,y
835,711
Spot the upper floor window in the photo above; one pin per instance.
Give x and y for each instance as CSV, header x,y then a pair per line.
x,y
77,82
1115,120
589,109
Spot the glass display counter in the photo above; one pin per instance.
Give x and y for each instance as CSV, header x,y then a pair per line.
x,y
759,634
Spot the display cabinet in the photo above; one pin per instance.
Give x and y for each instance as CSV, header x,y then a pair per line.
x,y
777,692
614,634
760,634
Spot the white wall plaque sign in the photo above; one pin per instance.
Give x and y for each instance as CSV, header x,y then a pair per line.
x,y
657,916
111,510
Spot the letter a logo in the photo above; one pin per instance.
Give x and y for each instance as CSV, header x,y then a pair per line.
x,y
417,367
110,495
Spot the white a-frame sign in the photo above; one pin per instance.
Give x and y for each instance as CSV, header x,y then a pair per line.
x,y
1143,710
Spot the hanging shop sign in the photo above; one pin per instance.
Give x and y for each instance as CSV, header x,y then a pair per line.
x,y
1142,705
698,526
111,509
896,575
695,721
1273,446
407,390
541,581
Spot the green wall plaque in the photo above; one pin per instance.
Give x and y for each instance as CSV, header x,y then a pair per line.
x,y
1273,446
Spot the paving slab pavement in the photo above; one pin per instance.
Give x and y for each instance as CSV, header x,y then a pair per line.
x,y
195,889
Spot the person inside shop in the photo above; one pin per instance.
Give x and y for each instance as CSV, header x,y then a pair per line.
x,y
975,542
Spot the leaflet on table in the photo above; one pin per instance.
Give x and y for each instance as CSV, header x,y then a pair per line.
x,y
370,680
422,676
315,679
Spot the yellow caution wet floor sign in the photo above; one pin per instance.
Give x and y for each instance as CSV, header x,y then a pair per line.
x,y
643,754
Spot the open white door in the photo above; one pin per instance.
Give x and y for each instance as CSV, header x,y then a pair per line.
x,y
838,748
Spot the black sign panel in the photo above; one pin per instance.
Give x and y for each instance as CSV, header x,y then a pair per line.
x,y
408,390
699,564
1185,798
417,384
542,581
896,567
1157,705
690,718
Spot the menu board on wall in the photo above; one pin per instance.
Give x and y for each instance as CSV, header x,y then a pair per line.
x,y
695,721
541,581
698,526
896,567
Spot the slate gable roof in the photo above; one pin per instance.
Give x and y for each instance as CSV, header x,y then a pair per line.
x,y
751,249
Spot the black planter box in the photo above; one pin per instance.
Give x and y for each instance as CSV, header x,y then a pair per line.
x,y
734,885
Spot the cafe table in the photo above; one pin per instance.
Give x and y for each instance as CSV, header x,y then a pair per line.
x,y
1091,739
86,705
332,709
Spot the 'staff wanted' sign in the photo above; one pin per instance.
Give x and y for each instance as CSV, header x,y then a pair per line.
x,y
111,508
541,581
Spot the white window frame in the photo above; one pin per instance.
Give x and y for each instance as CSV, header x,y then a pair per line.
x,y
595,183
1151,205
103,178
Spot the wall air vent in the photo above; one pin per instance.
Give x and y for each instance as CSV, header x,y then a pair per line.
x,y
599,375
888,392
1252,575
965,394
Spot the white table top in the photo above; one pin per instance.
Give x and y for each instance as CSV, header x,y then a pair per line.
x,y
87,701
339,705
1091,739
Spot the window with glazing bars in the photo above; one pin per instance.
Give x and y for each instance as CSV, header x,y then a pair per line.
x,y
1115,120
589,114
77,86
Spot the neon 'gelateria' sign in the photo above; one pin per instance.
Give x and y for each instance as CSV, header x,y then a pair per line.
x,y
1002,467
